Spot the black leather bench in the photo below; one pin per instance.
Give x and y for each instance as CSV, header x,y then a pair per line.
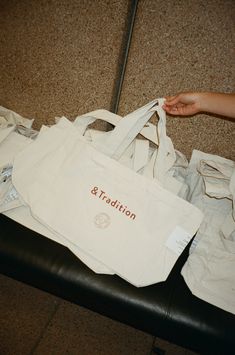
x,y
167,310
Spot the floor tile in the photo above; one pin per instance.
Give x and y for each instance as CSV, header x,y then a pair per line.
x,y
25,312
163,347
59,57
182,46
75,330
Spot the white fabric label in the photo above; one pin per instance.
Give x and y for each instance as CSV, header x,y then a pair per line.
x,y
178,240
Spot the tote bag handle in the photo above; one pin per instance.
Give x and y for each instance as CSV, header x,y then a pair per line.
x,y
82,122
127,128
164,157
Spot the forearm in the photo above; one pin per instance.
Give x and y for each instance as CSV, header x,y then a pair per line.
x,y
218,103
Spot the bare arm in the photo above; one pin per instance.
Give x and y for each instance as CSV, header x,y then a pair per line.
x,y
185,104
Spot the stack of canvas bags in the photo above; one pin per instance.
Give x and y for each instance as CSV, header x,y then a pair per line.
x,y
150,236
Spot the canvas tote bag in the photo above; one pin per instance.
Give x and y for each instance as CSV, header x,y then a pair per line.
x,y
210,268
22,214
124,220
135,157
10,147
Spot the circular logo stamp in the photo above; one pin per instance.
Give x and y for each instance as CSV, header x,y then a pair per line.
x,y
102,220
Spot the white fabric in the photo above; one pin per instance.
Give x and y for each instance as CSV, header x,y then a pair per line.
x,y
215,209
11,146
9,197
164,164
113,214
210,269
5,132
8,117
11,143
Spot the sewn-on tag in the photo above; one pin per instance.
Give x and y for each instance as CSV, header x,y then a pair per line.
x,y
178,240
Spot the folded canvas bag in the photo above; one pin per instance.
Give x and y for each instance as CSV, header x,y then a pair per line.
x,y
210,269
126,221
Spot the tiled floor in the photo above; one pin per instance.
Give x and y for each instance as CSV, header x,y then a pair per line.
x,y
66,58
34,322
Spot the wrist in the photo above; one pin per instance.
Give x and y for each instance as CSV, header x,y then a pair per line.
x,y
202,101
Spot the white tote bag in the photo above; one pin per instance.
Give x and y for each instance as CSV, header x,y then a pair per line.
x,y
210,269
126,221
135,157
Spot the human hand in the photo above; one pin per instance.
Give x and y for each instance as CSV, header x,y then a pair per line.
x,y
183,104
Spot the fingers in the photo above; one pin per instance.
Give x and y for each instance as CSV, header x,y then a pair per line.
x,y
178,109
172,105
172,100
182,104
